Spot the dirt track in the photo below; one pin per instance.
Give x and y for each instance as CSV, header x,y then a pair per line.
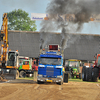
x,y
50,91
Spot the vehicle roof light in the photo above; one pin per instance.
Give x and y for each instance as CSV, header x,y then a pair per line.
x,y
53,47
59,50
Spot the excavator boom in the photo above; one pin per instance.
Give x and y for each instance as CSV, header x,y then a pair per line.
x,y
4,41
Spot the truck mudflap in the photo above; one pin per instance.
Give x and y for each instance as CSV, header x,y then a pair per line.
x,y
8,74
55,80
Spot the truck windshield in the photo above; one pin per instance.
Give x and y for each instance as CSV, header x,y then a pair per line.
x,y
25,62
50,61
73,64
21,61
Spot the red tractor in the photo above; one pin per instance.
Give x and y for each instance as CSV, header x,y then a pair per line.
x,y
92,73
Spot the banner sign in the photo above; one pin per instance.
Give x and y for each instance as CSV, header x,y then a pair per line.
x,y
95,18
66,17
38,16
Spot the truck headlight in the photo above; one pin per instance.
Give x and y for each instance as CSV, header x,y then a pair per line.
x,y
40,75
41,65
59,67
59,76
8,70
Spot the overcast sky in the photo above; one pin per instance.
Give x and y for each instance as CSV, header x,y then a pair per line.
x,y
39,6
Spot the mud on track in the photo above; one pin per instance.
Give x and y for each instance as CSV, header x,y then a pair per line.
x,y
31,91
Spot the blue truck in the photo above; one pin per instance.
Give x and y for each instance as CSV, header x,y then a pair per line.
x,y
50,68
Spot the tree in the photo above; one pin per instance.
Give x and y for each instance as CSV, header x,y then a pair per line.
x,y
19,20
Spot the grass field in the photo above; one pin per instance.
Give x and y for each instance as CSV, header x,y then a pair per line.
x,y
71,80
80,80
29,78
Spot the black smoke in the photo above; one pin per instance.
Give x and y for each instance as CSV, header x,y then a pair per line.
x,y
81,9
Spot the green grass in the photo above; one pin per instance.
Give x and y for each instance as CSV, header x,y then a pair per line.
x,y
27,78
70,80
80,80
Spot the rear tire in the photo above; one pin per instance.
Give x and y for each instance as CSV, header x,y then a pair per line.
x,y
66,77
22,74
60,83
84,73
38,82
89,74
95,74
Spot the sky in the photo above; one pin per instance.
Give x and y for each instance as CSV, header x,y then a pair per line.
x,y
30,6
39,6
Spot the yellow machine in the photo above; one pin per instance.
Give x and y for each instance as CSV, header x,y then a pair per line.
x,y
8,59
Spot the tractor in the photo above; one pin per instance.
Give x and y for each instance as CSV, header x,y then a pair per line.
x,y
92,73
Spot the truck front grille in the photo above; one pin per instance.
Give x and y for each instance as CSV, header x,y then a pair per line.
x,y
49,71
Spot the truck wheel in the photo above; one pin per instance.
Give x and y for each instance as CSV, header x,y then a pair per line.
x,y
60,83
89,74
84,73
22,74
95,74
17,74
38,82
66,77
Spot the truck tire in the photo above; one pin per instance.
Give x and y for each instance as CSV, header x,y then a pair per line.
x,y
84,73
38,82
22,74
95,74
66,77
60,83
89,74
17,74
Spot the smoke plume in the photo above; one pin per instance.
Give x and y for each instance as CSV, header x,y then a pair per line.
x,y
82,10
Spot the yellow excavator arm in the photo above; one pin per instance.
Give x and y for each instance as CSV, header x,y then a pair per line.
x,y
4,40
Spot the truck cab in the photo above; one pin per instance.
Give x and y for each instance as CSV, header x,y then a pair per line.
x,y
13,57
50,67
25,68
